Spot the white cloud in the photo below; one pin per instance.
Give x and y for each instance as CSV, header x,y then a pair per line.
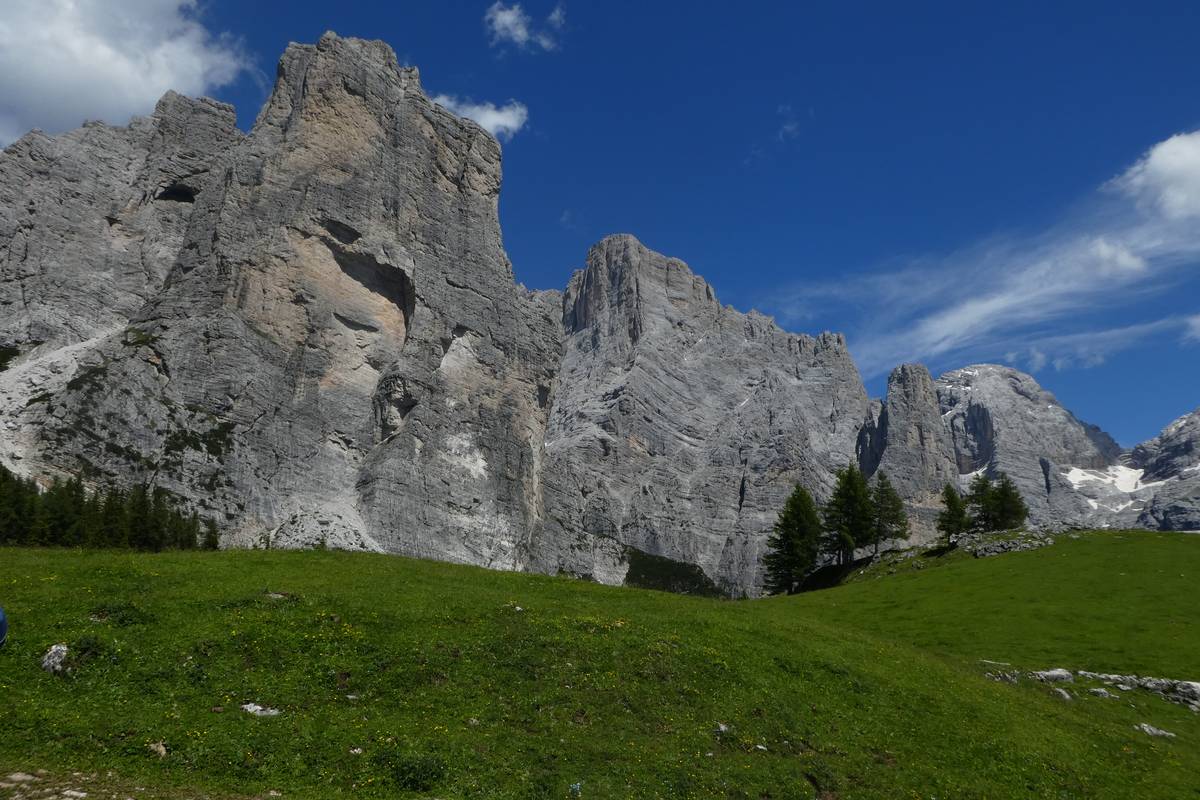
x,y
1192,333
1091,348
1167,178
1029,295
500,121
64,61
1037,360
511,25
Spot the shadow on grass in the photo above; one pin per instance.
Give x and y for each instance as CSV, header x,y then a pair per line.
x,y
830,576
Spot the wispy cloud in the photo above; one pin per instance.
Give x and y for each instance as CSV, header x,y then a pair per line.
x,y
64,61
510,25
1031,297
1192,333
503,122
789,124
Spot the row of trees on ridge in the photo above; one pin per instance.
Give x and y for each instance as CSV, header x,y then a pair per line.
x,y
858,514
861,514
987,506
68,515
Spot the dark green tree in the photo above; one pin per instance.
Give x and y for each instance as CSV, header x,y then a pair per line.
x,y
794,545
212,539
953,520
981,502
114,520
67,515
849,515
1009,507
890,521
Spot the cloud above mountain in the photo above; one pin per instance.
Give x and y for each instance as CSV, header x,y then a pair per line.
x,y
1030,297
511,25
65,61
503,122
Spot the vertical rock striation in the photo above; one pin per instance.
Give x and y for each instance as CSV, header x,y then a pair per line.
x,y
679,425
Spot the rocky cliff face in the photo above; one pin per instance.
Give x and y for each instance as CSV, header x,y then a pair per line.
x,y
311,333
1171,461
340,352
1001,420
91,221
679,425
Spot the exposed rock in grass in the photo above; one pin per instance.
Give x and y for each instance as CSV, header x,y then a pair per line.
x,y
1150,730
982,545
1059,675
1185,693
260,711
55,660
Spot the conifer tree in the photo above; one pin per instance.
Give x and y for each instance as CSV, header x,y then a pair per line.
x,y
981,501
890,521
849,514
212,540
1010,509
953,520
794,544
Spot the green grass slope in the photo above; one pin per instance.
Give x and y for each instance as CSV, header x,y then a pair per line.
x,y
399,678
1106,602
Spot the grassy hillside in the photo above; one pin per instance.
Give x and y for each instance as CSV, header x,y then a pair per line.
x,y
1109,602
458,682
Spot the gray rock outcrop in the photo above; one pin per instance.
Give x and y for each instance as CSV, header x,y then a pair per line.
x,y
679,426
1171,465
91,221
1173,453
1002,421
340,353
908,440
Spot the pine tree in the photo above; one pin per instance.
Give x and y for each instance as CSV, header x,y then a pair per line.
x,y
212,539
954,519
981,500
114,521
890,521
140,509
849,514
1010,509
794,544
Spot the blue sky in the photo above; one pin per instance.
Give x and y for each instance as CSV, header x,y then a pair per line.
x,y
944,183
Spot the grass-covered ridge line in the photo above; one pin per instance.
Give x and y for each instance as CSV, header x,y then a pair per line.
x,y
459,682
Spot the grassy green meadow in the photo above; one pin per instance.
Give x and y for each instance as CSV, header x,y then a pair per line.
x,y
402,678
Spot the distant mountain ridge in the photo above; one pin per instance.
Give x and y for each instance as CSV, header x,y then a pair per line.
x,y
311,333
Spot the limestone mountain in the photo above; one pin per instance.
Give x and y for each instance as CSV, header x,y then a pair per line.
x,y
1172,461
678,425
311,333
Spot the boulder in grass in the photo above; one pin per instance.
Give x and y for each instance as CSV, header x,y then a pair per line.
x,y
1150,730
260,711
55,660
